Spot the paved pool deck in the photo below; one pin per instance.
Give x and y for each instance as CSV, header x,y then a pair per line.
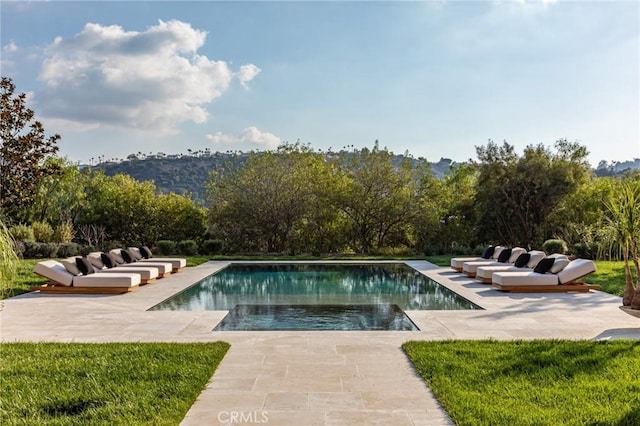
x,y
318,377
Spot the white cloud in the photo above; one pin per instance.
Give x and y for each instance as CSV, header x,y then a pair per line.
x,y
247,73
149,80
10,48
250,136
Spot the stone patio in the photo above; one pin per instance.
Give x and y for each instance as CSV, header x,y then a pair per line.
x,y
319,377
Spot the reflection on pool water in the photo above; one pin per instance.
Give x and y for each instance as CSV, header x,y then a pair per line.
x,y
316,317
316,284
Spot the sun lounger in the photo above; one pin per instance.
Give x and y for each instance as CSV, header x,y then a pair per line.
x,y
506,257
490,253
164,268
177,262
147,274
63,281
567,279
484,273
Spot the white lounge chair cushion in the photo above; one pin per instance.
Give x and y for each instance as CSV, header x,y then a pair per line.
x,y
536,257
524,278
176,262
472,267
489,270
496,252
96,259
71,266
162,267
515,253
117,255
558,256
56,272
107,280
458,262
576,269
558,265
148,273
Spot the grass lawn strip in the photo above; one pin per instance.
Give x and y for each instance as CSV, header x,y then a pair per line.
x,y
113,383
539,382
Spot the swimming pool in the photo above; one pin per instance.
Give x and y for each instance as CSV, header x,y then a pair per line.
x,y
245,289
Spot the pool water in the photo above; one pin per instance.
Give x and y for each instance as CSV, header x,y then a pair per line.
x,y
316,317
316,285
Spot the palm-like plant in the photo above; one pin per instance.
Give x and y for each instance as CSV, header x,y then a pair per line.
x,y
622,229
8,260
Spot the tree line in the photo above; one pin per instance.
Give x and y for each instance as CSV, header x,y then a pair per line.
x,y
295,200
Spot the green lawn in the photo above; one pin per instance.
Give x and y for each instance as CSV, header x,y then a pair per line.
x,y
114,383
609,276
542,382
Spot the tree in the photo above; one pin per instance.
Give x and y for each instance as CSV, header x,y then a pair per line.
x,y
516,194
261,205
123,206
60,198
447,211
622,229
379,198
23,151
179,218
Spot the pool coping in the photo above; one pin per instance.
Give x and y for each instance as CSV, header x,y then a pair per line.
x,y
315,377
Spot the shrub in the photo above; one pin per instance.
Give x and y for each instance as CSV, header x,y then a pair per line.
x,y
35,250
555,246
188,247
584,250
19,248
166,247
31,250
68,249
63,233
84,250
22,233
212,247
43,232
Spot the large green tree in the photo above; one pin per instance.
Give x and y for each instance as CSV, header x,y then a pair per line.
x,y
60,198
24,149
262,205
124,207
179,218
446,220
380,197
516,194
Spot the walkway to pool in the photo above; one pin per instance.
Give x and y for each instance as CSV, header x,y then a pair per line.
x,y
319,377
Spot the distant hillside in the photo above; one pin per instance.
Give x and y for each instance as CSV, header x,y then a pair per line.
x,y
188,174
616,167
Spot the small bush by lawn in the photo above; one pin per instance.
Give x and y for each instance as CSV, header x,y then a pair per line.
x,y
541,382
114,383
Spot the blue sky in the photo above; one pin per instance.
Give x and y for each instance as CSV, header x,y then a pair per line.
x,y
432,78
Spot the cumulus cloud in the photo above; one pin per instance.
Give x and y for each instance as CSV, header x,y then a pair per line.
x,y
247,73
148,80
11,47
250,136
